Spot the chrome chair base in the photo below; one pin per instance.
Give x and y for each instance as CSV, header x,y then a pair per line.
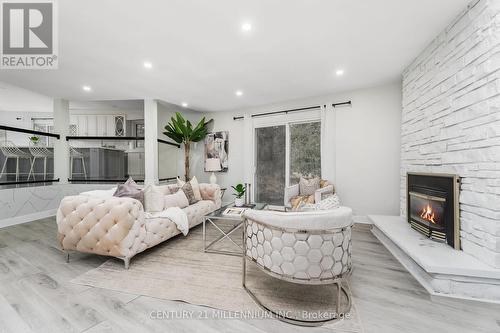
x,y
299,322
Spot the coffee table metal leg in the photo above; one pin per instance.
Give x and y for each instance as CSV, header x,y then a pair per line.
x,y
204,235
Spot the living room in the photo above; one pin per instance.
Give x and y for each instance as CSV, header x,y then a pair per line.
x,y
262,166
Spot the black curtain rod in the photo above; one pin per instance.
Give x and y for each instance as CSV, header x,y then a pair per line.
x,y
292,110
28,131
277,112
341,103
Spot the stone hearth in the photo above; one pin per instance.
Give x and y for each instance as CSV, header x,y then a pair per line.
x,y
439,268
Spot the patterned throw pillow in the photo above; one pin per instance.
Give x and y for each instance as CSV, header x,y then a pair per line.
x,y
300,200
188,191
194,185
308,186
332,202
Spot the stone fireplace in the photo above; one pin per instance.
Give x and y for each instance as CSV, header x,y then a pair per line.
x,y
432,206
451,122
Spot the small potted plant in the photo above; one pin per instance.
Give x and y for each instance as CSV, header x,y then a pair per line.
x,y
34,140
239,193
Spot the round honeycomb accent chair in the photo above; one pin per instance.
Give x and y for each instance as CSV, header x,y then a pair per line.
x,y
308,248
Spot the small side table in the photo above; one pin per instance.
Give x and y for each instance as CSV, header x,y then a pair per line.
x,y
214,219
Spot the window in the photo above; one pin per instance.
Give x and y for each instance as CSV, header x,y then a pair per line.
x,y
305,151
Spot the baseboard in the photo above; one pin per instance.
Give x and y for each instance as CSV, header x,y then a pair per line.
x,y
363,219
27,218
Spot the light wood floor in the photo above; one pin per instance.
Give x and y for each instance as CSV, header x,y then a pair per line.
x,y
36,295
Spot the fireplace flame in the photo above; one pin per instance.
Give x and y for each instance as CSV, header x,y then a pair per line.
x,y
427,214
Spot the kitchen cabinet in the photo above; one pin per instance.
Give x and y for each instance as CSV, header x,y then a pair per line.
x,y
135,164
97,125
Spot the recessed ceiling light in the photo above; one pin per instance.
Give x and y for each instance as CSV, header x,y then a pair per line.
x,y
184,105
339,72
246,27
148,65
87,88
239,93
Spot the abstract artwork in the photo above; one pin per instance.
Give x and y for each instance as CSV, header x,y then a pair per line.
x,y
216,149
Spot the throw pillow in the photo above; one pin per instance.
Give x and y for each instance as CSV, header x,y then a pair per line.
x,y
300,200
188,191
178,199
172,188
196,188
194,185
332,202
153,198
308,186
131,190
180,182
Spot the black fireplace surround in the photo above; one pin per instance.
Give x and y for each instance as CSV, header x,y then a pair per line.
x,y
432,206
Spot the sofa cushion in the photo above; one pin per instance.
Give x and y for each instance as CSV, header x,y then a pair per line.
x,y
178,199
159,229
196,188
153,198
308,186
312,220
331,202
130,189
194,185
188,191
197,211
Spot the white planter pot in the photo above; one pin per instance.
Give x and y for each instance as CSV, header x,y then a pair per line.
x,y
238,202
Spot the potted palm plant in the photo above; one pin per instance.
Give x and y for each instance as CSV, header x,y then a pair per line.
x,y
181,131
239,191
34,140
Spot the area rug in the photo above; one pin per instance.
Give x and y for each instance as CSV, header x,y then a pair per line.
x,y
179,270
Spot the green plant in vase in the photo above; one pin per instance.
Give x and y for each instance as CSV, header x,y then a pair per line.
x,y
34,140
239,192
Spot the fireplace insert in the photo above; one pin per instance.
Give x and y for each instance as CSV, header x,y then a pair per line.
x,y
432,206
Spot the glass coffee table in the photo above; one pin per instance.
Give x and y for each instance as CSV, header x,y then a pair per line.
x,y
216,219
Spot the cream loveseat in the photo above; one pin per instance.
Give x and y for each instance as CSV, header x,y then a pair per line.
x,y
117,227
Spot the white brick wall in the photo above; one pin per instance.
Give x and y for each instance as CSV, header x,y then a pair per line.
x,y
451,121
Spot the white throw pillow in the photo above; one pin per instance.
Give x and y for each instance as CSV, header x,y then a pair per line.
x,y
332,202
178,199
195,186
180,182
153,198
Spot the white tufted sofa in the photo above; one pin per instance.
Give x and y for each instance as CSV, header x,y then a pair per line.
x,y
117,227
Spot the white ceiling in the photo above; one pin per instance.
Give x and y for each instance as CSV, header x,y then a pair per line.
x,y
201,56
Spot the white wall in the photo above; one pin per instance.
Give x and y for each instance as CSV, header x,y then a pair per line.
x,y
451,122
366,140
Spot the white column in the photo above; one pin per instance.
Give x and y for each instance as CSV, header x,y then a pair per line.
x,y
61,146
150,141
328,143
